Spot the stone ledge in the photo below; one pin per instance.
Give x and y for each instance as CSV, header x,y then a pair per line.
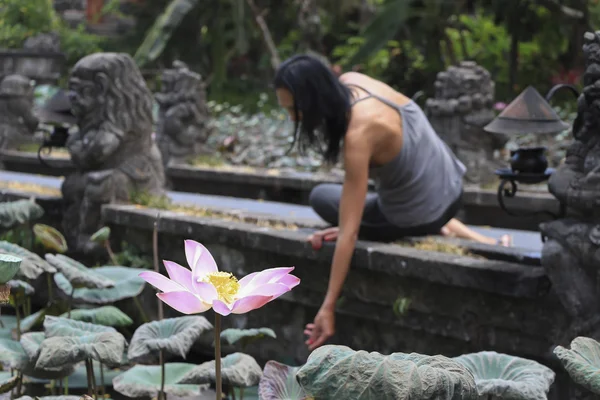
x,y
493,276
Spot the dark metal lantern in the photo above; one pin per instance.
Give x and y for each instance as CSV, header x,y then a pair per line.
x,y
528,113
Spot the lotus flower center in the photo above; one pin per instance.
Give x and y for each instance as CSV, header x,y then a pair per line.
x,y
226,284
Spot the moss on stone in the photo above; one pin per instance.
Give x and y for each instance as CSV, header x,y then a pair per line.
x,y
30,188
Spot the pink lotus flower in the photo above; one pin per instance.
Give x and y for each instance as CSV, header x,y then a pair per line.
x,y
196,291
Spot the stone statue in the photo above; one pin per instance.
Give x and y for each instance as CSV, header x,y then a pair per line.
x,y
571,252
462,106
17,120
113,150
183,117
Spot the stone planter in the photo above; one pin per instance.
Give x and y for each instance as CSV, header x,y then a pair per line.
x,y
43,67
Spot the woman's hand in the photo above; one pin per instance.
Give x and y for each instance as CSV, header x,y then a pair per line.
x,y
321,330
328,235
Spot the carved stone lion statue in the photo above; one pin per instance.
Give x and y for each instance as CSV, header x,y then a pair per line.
x,y
462,106
113,149
183,116
571,252
17,119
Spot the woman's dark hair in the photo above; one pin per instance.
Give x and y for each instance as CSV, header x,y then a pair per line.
x,y
323,101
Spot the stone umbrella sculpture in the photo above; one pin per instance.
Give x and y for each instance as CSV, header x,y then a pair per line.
x,y
113,150
571,252
462,106
183,124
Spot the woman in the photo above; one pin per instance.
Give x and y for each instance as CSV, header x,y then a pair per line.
x,y
383,132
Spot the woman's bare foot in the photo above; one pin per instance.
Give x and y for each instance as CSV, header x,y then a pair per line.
x,y
505,240
455,228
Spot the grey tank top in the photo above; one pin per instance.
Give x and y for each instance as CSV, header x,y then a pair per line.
x,y
424,179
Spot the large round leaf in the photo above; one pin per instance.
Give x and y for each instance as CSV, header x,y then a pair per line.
x,y
31,343
50,397
246,336
32,265
12,355
105,347
582,362
58,326
508,377
18,212
106,315
338,372
20,288
127,285
173,335
279,383
8,324
78,274
144,381
237,370
9,266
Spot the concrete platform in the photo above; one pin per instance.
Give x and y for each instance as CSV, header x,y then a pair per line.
x,y
527,241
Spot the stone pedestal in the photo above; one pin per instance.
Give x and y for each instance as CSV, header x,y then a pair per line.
x,y
462,106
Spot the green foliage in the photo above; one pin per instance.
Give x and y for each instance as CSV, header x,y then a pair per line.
x,y
77,43
376,64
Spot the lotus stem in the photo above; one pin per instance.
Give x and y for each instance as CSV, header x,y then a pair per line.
x,y
50,295
66,385
28,305
102,389
90,376
218,383
94,386
18,315
241,393
60,386
161,394
156,262
20,383
232,391
111,254
141,310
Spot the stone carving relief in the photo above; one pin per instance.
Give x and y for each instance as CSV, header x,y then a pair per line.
x,y
462,106
571,252
17,120
43,43
112,150
183,125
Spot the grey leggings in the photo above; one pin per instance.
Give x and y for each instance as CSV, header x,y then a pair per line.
x,y
325,201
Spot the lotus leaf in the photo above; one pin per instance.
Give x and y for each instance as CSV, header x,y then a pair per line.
x,y
144,381
18,212
58,326
7,382
32,265
30,321
173,335
279,383
50,238
51,397
20,287
508,377
12,355
9,266
106,347
78,274
101,235
31,344
127,284
246,336
237,369
105,315
582,362
338,372
7,324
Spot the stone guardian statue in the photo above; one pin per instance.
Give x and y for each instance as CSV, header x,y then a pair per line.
x,y
113,150
18,122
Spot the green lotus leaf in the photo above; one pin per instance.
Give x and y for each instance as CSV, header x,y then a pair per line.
x,y
19,212
175,336
237,370
7,381
246,336
101,235
9,266
78,274
127,284
32,265
32,320
278,382
31,343
508,377
7,324
105,315
13,355
78,379
20,288
105,347
50,238
144,381
338,372
582,362
58,326
51,397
